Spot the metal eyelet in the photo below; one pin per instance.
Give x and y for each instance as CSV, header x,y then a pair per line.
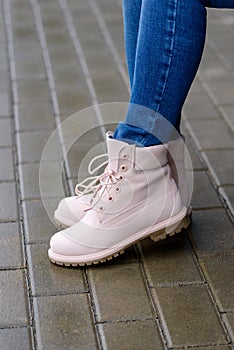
x,y
117,189
125,156
110,198
101,208
123,168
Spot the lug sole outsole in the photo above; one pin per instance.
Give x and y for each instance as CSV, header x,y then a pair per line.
x,y
156,237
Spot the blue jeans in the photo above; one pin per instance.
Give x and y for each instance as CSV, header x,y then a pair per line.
x,y
164,41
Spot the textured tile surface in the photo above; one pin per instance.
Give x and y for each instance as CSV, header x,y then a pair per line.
x,y
13,302
219,272
131,335
49,279
129,299
189,316
212,232
64,322
11,253
170,262
15,338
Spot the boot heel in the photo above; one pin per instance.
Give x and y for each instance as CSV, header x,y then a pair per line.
x,y
171,230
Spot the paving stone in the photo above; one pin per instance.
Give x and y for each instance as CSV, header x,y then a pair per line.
x,y
228,112
20,47
32,144
30,67
214,347
34,116
30,90
131,335
38,220
204,195
199,106
197,165
8,204
64,322
229,192
73,101
49,279
11,246
128,297
15,338
216,137
219,271
49,185
5,104
188,316
13,309
170,262
223,163
6,170
229,321
5,132
222,89
211,232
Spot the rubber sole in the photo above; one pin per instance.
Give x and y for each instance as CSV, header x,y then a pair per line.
x,y
155,236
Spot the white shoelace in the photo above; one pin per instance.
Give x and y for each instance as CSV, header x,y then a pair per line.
x,y
98,185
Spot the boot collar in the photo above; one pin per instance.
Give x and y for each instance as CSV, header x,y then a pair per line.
x,y
141,158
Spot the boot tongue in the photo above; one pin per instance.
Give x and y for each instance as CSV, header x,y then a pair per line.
x,y
113,148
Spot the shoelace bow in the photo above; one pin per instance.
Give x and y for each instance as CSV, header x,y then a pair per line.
x,y
98,185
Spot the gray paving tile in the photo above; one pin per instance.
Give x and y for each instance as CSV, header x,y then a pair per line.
x,y
11,246
6,170
214,347
219,271
199,106
228,113
31,90
223,163
13,302
169,262
211,232
229,321
49,185
197,165
64,322
188,316
216,137
204,195
49,279
31,145
229,191
72,100
34,116
128,297
30,67
5,132
37,220
131,335
5,104
15,338
222,89
8,203
20,47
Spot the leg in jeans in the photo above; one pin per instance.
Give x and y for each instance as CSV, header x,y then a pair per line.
x,y
168,50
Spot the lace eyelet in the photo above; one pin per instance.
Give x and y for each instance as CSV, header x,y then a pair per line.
x,y
117,189
123,168
101,208
125,156
110,198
